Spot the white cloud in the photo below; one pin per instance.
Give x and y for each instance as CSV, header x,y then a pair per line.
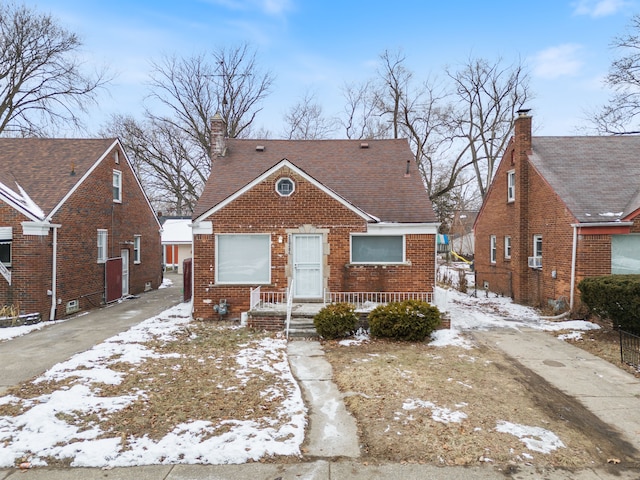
x,y
598,8
558,61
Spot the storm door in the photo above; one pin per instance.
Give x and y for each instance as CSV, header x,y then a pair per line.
x,y
307,266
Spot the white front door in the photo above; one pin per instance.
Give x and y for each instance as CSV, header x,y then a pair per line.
x,y
307,266
124,253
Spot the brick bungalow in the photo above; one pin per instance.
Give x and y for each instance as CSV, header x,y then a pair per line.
x,y
326,216
578,197
71,210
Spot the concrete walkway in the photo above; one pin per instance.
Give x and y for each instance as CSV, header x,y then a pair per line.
x,y
332,430
608,392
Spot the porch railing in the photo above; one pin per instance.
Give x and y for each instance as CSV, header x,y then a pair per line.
x,y
360,298
283,297
289,308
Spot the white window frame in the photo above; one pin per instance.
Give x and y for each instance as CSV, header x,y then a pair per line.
x,y
511,186
493,249
6,238
117,186
250,281
103,244
285,194
507,247
137,243
537,245
400,262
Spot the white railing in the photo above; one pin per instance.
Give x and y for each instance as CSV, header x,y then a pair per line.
x,y
254,300
289,308
6,273
360,298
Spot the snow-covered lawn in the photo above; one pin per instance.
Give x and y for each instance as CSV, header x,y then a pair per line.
x,y
39,430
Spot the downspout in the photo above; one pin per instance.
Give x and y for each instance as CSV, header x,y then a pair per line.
x,y
54,273
574,249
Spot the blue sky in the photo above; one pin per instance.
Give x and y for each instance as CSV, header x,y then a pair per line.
x,y
318,45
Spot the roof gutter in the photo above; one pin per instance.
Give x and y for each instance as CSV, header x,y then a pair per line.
x,y
602,224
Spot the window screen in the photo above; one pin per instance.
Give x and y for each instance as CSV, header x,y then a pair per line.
x,y
243,259
377,249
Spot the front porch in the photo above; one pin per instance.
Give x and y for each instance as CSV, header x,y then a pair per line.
x,y
278,310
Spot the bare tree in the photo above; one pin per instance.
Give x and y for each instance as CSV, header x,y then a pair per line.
x,y
170,170
305,120
395,80
619,115
487,97
361,118
41,79
191,90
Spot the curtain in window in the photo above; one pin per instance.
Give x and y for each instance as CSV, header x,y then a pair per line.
x,y
243,259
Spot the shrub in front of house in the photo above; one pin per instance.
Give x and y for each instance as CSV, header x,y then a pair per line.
x,y
336,320
410,320
616,297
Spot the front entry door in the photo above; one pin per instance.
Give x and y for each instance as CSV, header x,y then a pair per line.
x,y
307,266
124,253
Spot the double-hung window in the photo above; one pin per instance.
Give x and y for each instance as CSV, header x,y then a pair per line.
x,y
117,186
511,185
493,251
243,258
537,246
377,249
507,247
137,258
6,236
102,245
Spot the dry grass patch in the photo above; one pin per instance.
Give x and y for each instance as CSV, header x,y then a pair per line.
x,y
603,343
416,403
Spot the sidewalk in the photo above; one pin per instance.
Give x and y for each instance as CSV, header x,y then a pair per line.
x,y
25,357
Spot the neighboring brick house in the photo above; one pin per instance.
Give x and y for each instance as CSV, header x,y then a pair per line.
x,y
578,197
71,209
326,216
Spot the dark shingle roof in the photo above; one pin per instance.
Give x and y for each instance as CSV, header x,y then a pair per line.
x,y
42,167
598,178
372,179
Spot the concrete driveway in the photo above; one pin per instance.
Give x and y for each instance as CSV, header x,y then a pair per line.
x,y
26,357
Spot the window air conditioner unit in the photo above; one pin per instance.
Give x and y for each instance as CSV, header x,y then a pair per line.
x,y
535,262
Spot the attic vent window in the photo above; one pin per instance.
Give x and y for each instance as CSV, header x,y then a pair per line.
x,y
285,187
259,148
364,145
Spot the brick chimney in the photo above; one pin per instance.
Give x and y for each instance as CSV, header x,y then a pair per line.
x,y
218,139
522,131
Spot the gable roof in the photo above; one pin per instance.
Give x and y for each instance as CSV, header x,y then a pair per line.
x,y
39,169
372,179
176,230
596,177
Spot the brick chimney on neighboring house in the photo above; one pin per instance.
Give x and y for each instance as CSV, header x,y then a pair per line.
x,y
218,139
522,242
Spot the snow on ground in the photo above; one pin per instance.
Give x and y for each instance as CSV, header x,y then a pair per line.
x,y
40,430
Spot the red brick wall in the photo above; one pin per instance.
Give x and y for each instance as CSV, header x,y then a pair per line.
x,y
262,210
30,270
79,276
537,210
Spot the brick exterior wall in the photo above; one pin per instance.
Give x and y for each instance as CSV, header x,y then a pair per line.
x,y
308,210
537,210
79,275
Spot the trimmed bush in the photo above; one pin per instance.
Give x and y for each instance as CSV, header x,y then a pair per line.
x,y
616,297
336,320
410,320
